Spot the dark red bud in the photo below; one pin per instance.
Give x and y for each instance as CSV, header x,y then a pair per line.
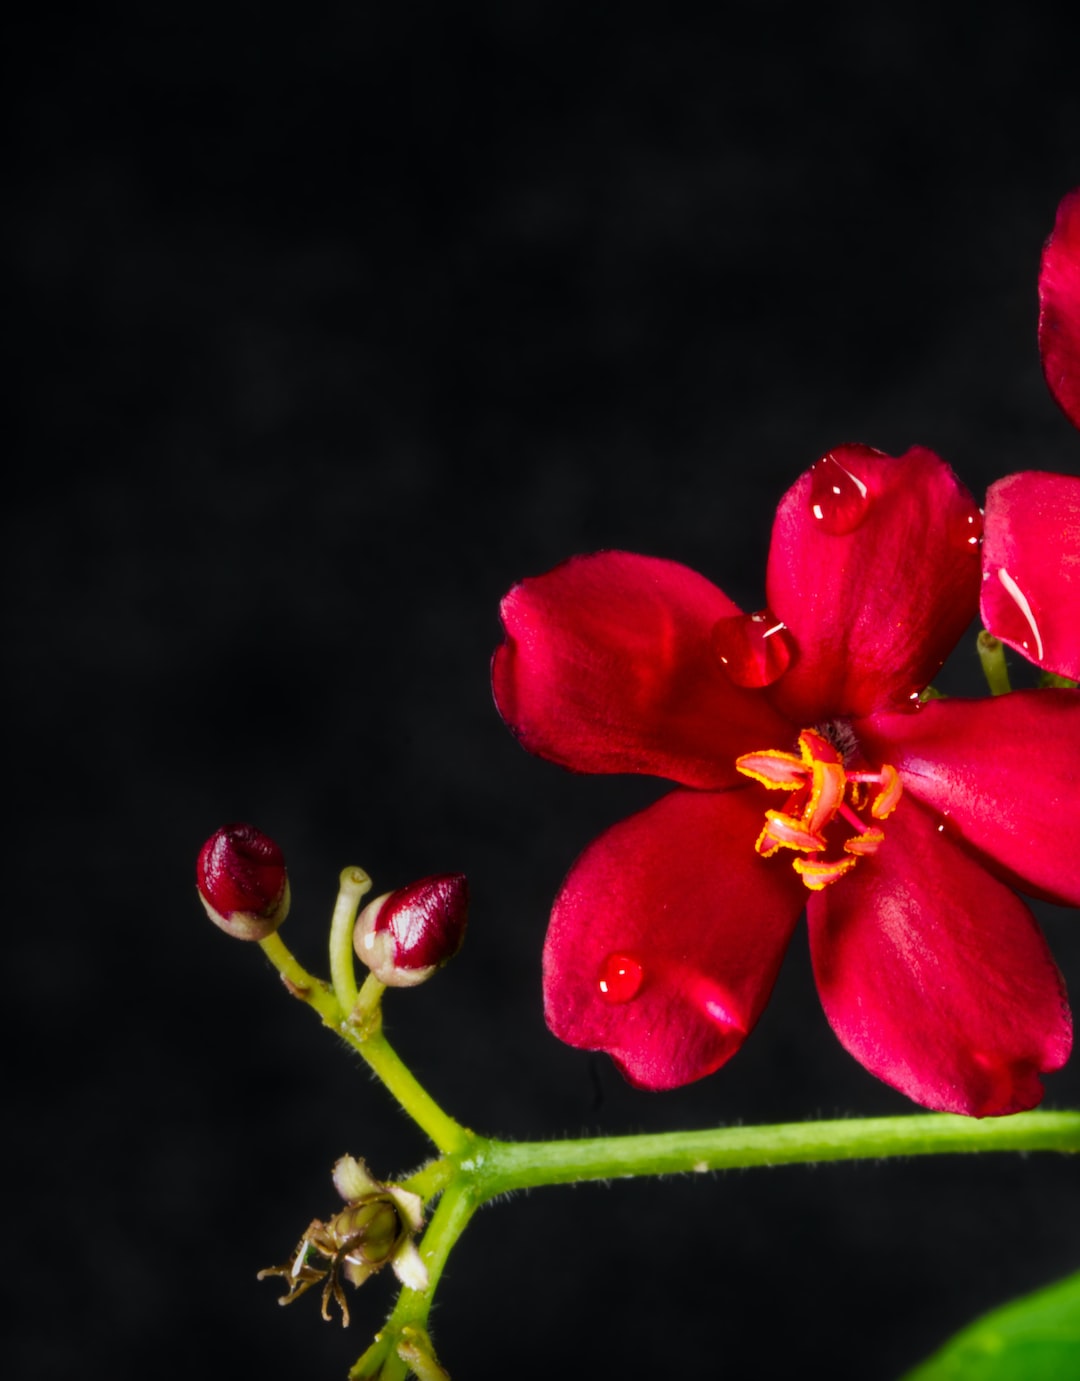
x,y
404,936
242,882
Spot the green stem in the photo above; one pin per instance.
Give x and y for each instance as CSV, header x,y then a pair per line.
x,y
299,982
447,1134
431,1179
366,1011
448,1222
502,1166
992,657
367,1039
493,1168
353,884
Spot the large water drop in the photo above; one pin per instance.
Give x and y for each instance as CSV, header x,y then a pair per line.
x,y
754,649
839,499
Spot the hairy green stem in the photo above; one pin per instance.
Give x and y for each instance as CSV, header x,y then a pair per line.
x,y
300,983
491,1168
447,1134
366,1038
502,1166
448,1222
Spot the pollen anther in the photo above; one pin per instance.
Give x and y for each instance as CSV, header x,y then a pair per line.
x,y
817,875
822,794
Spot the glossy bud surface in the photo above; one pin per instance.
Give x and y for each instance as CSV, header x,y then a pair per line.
x,y
243,882
404,936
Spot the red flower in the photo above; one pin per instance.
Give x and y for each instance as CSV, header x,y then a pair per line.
x,y
1059,308
808,774
1031,570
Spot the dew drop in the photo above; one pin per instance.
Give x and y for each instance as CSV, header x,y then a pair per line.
x,y
620,978
754,649
965,530
839,500
947,827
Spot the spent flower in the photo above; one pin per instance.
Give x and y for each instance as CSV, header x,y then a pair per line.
x,y
375,1228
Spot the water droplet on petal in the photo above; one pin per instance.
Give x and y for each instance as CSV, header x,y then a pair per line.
x,y
839,499
1017,622
965,530
754,649
947,826
620,978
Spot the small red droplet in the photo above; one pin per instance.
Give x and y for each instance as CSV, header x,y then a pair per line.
x,y
620,978
839,499
966,529
754,649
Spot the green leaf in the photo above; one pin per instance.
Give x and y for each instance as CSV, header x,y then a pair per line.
x,y
1036,1338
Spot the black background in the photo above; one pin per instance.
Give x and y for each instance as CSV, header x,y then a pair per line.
x,y
329,329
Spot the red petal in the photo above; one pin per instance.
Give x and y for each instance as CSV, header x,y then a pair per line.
x,y
608,667
876,601
684,925
1003,774
1031,568
936,977
1059,308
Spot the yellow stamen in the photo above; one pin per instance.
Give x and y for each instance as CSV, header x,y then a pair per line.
x,y
778,771
787,832
818,783
885,803
817,875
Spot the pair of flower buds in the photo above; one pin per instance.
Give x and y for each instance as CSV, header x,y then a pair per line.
x,y
402,936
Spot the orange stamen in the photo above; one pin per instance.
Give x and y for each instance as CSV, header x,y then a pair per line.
x,y
819,783
817,875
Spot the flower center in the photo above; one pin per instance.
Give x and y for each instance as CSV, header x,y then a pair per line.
x,y
822,793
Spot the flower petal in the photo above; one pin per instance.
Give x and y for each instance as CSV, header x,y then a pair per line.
x,y
1002,774
408,1266
936,977
1031,568
352,1180
877,590
1059,308
608,667
673,915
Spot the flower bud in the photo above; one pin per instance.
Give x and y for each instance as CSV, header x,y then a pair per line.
x,y
242,882
404,936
